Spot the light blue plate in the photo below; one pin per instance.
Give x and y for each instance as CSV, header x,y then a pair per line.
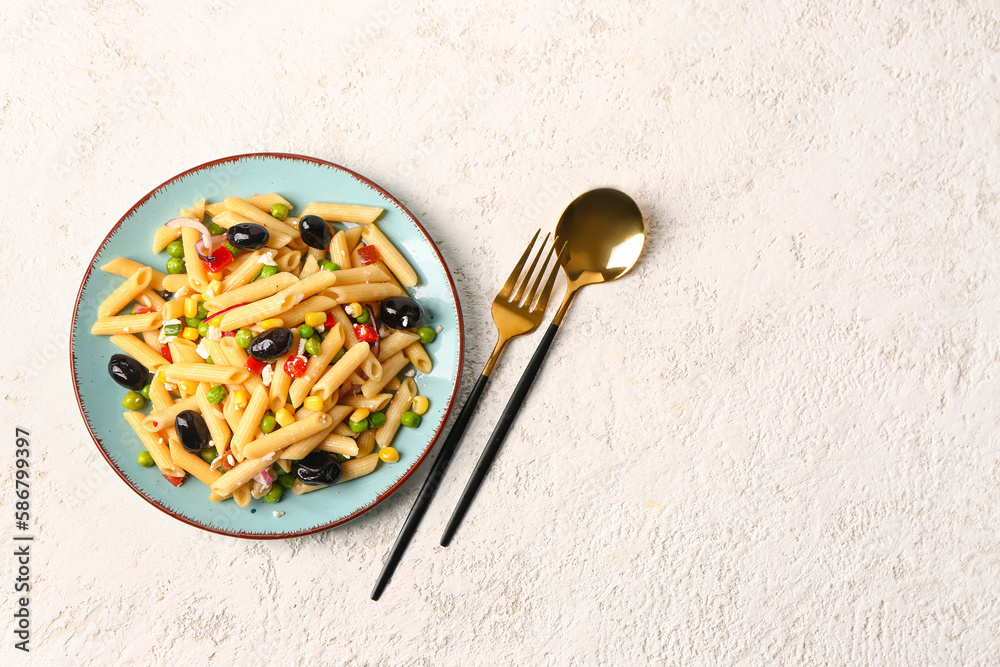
x,y
300,180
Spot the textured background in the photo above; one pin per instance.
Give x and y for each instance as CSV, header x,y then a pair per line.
x,y
774,442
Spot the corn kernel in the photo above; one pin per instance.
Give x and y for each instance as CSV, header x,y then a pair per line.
x,y
420,404
216,276
354,309
272,323
359,414
188,387
191,307
313,403
190,333
239,399
284,416
315,319
213,289
388,454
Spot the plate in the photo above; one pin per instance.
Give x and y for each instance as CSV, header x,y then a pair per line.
x,y
301,180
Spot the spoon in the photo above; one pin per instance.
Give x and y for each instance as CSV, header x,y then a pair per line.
x,y
600,236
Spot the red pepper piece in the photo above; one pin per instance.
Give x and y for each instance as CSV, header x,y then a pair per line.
x,y
176,481
141,309
365,333
229,333
330,321
254,366
222,259
165,353
368,254
296,366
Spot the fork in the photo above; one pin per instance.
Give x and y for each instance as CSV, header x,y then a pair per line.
x,y
513,317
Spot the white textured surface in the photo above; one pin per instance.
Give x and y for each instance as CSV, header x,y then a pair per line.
x,y
775,442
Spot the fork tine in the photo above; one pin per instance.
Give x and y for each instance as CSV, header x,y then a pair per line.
x,y
543,299
509,285
538,279
531,269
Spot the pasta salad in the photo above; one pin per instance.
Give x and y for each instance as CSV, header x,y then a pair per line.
x,y
276,352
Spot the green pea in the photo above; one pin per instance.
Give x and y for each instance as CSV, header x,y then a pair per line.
x,y
268,423
286,480
175,248
133,401
202,310
279,211
193,322
209,360
176,265
313,346
266,272
358,427
216,394
330,266
216,229
144,392
203,328
274,495
337,356
427,335
231,248
172,330
363,317
209,454
377,419
410,419
243,338
306,331
145,459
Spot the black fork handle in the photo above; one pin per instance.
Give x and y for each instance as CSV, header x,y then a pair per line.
x,y
499,433
431,484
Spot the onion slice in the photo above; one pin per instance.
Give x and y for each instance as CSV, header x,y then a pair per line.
x,y
210,255
212,316
206,236
374,323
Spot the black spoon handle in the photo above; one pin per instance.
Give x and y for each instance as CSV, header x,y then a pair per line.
x,y
429,488
499,433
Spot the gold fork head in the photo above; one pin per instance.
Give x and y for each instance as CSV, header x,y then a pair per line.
x,y
522,313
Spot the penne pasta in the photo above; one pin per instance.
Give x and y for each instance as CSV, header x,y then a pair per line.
x,y
342,212
242,473
125,324
254,214
390,369
126,292
263,202
331,380
358,467
394,413
339,252
197,276
388,253
243,270
126,267
214,419
154,444
309,267
164,236
313,284
417,355
255,291
300,387
366,443
315,304
395,342
370,273
202,372
258,311
288,435
139,351
161,419
338,444
363,292
288,259
375,403
249,423
353,236
193,464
